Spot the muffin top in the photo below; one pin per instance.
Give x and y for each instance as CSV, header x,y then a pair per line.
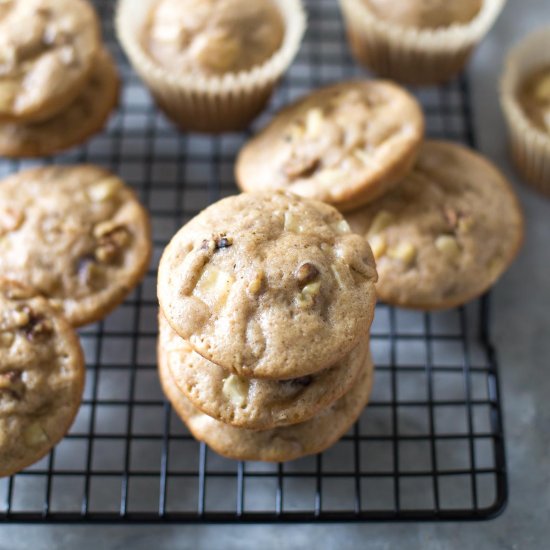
x,y
343,144
268,285
534,98
47,51
425,14
213,37
446,233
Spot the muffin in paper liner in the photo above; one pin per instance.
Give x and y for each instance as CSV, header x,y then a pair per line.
x,y
203,103
529,146
410,55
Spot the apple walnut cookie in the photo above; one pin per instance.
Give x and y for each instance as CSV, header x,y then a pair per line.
x,y
344,144
76,234
252,403
269,285
41,377
446,233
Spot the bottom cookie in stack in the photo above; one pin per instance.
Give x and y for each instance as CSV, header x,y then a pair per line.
x,y
277,444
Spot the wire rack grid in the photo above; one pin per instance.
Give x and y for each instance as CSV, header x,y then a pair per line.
x,y
428,447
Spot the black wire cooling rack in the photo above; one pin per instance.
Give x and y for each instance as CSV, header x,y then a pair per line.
x,y
428,447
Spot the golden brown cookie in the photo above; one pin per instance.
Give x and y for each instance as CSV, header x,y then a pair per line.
x,y
344,144
41,377
47,53
76,234
268,285
446,233
279,444
251,403
85,116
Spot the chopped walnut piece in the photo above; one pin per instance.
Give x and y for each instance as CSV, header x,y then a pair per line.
x,y
223,241
301,166
39,327
89,272
306,273
10,381
452,217
309,293
112,239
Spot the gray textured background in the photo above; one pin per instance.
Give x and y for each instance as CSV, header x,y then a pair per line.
x,y
521,329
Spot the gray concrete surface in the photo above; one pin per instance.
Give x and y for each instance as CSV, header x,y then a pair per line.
x,y
522,334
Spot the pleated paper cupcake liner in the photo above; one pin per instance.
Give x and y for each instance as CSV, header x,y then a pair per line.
x,y
202,103
414,56
529,146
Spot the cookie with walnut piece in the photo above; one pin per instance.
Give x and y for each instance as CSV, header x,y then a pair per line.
x,y
446,233
77,234
278,444
344,144
85,116
268,285
47,53
251,403
41,377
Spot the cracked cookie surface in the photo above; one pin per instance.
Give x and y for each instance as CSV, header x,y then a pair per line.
x,y
252,403
278,444
77,234
268,285
344,144
47,51
446,233
86,115
41,377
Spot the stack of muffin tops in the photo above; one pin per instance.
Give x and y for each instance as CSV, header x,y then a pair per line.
x,y
266,305
58,84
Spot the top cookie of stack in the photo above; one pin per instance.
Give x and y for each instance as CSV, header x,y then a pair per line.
x,y
268,285
50,56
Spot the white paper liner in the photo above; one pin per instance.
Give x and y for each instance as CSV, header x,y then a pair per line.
x,y
414,56
209,103
529,146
